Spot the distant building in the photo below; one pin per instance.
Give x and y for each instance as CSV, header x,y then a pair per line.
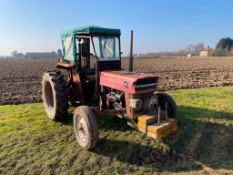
x,y
189,55
204,53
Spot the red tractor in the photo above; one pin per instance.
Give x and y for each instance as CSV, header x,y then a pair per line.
x,y
96,83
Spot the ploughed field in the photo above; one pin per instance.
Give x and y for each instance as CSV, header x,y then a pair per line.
x,y
20,80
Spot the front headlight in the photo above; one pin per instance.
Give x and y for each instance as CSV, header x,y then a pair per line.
x,y
135,103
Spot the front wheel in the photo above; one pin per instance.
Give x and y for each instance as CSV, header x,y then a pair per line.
x,y
85,127
164,98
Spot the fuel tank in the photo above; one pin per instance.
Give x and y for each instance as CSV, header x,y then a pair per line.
x,y
129,82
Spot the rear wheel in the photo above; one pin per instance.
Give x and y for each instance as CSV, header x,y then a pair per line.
x,y
85,127
54,95
164,98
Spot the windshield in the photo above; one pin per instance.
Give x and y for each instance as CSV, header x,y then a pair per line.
x,y
107,48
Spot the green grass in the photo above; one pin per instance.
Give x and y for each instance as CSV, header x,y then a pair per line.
x,y
32,144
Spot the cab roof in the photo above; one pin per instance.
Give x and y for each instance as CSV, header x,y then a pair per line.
x,y
91,30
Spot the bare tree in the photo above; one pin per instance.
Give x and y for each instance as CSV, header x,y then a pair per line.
x,y
195,49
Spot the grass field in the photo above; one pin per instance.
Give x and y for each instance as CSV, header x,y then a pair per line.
x,y
32,144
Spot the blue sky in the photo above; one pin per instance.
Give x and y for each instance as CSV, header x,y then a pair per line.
x,y
159,25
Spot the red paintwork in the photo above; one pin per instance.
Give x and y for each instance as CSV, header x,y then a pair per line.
x,y
116,79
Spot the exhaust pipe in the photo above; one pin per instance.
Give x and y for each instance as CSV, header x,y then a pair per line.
x,y
131,53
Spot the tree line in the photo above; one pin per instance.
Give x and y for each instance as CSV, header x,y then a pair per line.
x,y
224,47
36,55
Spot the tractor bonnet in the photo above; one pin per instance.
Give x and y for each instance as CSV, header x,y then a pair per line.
x,y
129,82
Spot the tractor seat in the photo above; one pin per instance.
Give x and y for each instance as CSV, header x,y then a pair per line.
x,y
88,71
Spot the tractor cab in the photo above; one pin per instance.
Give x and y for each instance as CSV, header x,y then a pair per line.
x,y
81,44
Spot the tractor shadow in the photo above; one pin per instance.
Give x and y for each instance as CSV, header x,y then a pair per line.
x,y
68,119
106,122
204,139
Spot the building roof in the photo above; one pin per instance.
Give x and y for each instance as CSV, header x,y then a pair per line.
x,y
91,30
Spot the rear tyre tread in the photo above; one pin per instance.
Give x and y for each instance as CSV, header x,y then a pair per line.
x,y
57,82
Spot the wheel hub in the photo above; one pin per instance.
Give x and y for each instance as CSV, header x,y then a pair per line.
x,y
82,130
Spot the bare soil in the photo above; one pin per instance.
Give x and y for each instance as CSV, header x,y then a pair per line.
x,y
20,80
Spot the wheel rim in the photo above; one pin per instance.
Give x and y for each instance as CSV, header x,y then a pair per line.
x,y
49,96
82,131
